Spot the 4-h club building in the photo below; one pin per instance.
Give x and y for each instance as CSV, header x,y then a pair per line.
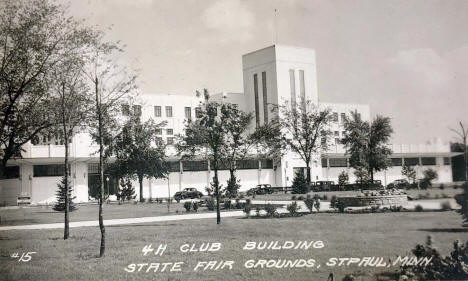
x,y
271,75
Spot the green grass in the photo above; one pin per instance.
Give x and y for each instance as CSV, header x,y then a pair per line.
x,y
43,214
345,235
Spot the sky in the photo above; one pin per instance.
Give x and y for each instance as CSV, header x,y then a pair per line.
x,y
407,59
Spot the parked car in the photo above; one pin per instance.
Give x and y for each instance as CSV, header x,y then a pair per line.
x,y
401,183
260,189
189,192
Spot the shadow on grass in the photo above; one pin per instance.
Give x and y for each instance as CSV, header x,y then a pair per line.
x,y
138,225
452,230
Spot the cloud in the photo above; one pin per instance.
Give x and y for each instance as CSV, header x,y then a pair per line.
x,y
230,17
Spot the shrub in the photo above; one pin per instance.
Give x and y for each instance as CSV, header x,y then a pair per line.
x,y
325,197
257,211
396,208
429,176
188,206
293,208
333,202
442,186
340,205
418,208
309,202
247,209
210,204
61,194
300,197
270,210
317,204
232,187
437,196
195,206
299,185
348,277
294,198
343,178
444,195
227,204
445,206
126,192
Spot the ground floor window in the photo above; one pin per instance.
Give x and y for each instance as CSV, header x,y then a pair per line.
x,y
338,162
11,172
53,170
411,161
428,161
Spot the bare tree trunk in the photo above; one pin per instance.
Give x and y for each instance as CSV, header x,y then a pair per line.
x,y
66,230
101,172
140,181
308,172
218,213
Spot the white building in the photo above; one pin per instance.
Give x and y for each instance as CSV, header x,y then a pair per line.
x,y
271,76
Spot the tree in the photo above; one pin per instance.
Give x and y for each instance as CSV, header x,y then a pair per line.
x,y
35,36
63,195
367,143
462,135
126,190
429,176
409,172
137,151
206,135
343,178
110,82
299,184
302,128
238,142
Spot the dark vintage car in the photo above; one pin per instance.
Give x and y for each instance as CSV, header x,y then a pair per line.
x,y
399,184
261,189
187,193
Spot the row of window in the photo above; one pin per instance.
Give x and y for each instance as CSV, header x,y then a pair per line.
x,y
52,138
158,111
265,99
342,115
410,161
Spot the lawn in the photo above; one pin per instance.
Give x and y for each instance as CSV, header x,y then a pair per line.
x,y
44,214
344,235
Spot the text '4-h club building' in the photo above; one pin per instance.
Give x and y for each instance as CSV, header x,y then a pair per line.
x,y
272,75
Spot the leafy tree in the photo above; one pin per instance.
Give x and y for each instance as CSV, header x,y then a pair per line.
x,y
110,82
35,37
206,135
301,128
137,151
309,202
343,178
361,174
409,172
63,195
429,176
367,143
299,185
238,141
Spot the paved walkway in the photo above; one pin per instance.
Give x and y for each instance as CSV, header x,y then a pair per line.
x,y
325,206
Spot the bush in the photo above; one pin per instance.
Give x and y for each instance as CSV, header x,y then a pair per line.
x,y
309,202
257,211
60,205
429,176
227,204
396,208
445,206
294,198
195,206
270,210
210,204
126,192
325,197
348,277
340,205
442,186
300,198
247,209
317,204
343,178
299,185
333,202
418,208
293,208
232,187
188,206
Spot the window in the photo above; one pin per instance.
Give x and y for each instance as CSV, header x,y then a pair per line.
x,y
397,161
265,103
411,161
169,131
428,161
11,172
125,110
338,162
188,113
337,134
159,131
323,141
173,166
54,170
302,86
159,140
335,116
197,112
247,164
324,163
343,117
257,106
93,168
292,86
196,165
157,111
446,160
168,111
337,141
170,140
267,164
137,110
